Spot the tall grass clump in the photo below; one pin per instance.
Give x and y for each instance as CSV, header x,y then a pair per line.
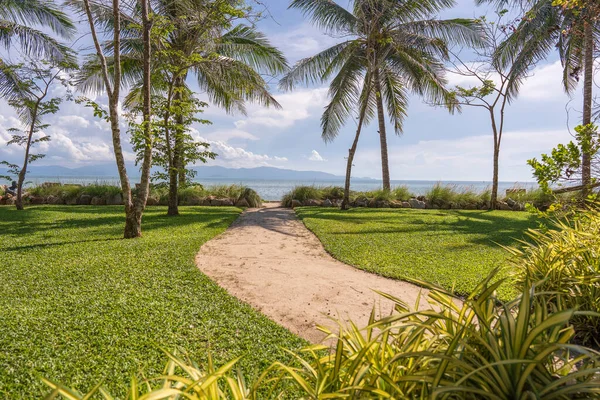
x,y
478,348
536,197
441,195
301,194
565,262
251,197
401,193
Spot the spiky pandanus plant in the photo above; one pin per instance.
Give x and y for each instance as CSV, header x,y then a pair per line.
x,y
226,59
570,26
392,49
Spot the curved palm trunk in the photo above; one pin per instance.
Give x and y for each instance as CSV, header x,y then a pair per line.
x,y
23,171
351,152
385,164
586,169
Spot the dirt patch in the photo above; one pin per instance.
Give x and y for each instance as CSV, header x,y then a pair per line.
x,y
270,260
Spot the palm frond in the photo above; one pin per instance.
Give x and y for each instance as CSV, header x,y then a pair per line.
x,y
327,15
38,13
34,42
395,97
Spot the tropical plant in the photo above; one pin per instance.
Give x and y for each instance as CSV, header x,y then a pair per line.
x,y
565,263
477,348
570,26
393,49
226,58
19,22
35,80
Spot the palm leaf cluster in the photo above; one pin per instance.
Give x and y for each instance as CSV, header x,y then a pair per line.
x,y
392,50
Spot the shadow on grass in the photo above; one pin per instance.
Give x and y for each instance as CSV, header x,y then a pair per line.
x,y
488,228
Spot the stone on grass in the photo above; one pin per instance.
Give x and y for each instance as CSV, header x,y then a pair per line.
x,y
100,201
115,200
503,206
313,203
327,203
395,204
36,200
84,200
221,202
418,204
296,203
511,202
406,204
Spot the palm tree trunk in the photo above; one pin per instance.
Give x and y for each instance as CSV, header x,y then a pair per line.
x,y
23,171
385,165
494,196
351,152
586,169
133,224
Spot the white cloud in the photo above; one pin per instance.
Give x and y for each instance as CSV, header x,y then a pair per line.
x,y
466,158
74,121
315,156
229,134
302,41
296,106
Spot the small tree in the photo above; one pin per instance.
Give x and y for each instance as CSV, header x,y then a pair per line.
x,y
35,79
495,87
558,171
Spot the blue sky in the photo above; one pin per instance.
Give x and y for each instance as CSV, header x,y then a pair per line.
x,y
434,146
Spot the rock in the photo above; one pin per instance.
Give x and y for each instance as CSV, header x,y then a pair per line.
x,y
84,200
395,204
54,200
372,203
98,201
37,200
418,204
296,203
422,198
511,202
313,203
432,206
205,202
360,203
71,202
406,204
518,207
242,203
194,201
503,206
221,202
383,204
115,200
327,203
471,206
152,201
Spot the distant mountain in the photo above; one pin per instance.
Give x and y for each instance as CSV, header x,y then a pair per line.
x,y
203,172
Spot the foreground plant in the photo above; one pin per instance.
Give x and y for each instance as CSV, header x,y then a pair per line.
x,y
480,348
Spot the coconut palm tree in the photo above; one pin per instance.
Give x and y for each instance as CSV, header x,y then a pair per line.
x,y
227,61
571,27
392,49
21,22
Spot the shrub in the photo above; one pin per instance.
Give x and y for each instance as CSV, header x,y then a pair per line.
x,y
301,193
1,190
402,193
480,348
251,197
441,195
332,192
100,190
379,195
536,197
565,261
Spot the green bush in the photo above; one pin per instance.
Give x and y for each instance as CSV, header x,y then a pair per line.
x,y
441,195
565,261
251,197
402,193
480,348
301,193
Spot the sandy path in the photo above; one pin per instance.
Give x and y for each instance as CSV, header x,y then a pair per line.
x,y
270,260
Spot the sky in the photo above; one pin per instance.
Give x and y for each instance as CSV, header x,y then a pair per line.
x,y
434,145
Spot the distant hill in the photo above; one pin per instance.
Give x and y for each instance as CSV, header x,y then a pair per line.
x,y
204,172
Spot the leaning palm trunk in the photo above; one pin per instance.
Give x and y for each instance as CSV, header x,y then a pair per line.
x,y
23,172
385,164
586,169
351,152
176,160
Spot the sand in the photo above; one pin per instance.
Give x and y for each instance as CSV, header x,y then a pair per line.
x,y
270,260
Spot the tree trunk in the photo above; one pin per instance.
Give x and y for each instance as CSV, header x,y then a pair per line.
x,y
586,170
385,165
494,196
23,171
351,152
177,162
133,224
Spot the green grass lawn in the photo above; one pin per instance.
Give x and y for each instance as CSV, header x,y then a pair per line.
x,y
454,249
79,305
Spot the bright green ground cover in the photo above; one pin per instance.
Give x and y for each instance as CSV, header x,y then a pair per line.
x,y
451,248
78,304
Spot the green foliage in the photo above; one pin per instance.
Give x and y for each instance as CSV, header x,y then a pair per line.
x,y
70,191
479,348
302,193
251,197
563,164
454,248
565,262
80,305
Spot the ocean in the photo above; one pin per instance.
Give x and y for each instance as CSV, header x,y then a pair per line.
x,y
274,190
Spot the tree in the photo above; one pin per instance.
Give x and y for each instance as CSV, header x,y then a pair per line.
x,y
35,79
392,49
493,89
570,26
111,77
205,41
18,22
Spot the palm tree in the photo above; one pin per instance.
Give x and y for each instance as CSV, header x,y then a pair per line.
x,y
393,49
569,26
227,61
19,23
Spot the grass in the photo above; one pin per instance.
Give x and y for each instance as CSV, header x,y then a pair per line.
x,y
455,249
80,305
